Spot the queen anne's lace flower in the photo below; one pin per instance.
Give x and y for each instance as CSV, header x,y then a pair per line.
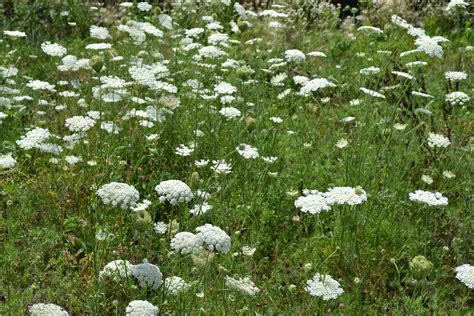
x,y
372,93
117,269
324,286
175,285
53,49
41,309
244,285
312,202
186,243
119,194
174,192
7,161
147,274
314,85
345,195
79,124
215,238
438,140
455,76
141,308
99,32
430,198
465,274
295,55
34,138
457,98
247,151
229,113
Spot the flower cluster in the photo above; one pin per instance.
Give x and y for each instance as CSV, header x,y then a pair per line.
x,y
118,194
174,192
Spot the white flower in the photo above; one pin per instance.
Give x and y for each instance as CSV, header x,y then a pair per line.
x,y
465,274
427,179
34,138
229,113
248,251
211,52
276,119
141,206
370,70
184,151
429,46
312,202
455,76
324,286
245,285
40,85
372,93
160,228
72,160
14,33
99,32
175,285
270,160
117,269
225,88
174,192
370,29
186,243
448,174
144,6
403,74
99,46
345,195
314,85
214,238
457,98
53,49
7,161
200,209
341,143
438,140
141,308
72,63
430,198
79,124
294,55
118,194
247,151
316,54
221,167
41,309
147,274
456,4
201,163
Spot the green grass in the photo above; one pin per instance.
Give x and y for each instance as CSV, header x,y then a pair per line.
x,y
50,213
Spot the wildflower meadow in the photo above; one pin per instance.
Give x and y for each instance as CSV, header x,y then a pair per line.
x,y
236,158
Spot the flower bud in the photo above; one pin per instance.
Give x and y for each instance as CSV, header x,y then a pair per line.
x,y
420,267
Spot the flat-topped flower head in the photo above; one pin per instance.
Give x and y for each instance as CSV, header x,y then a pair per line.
x,y
175,285
118,194
345,195
141,308
214,238
174,192
41,309
186,243
147,274
117,269
438,140
324,286
465,274
244,285
312,202
457,98
53,49
429,198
